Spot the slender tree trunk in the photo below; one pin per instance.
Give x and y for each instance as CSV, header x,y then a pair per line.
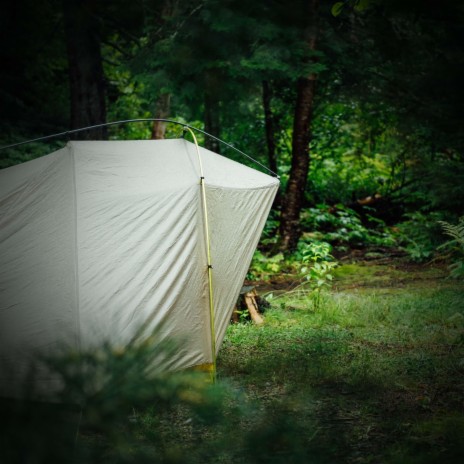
x,y
212,124
294,196
269,126
162,111
163,103
85,68
270,136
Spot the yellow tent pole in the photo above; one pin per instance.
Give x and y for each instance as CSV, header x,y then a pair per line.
x,y
208,254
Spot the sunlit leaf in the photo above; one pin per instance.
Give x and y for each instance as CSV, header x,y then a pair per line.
x,y
337,8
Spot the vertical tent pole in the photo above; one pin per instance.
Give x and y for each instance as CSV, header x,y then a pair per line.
x,y
208,254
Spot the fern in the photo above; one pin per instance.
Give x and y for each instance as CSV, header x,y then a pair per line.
x,y
457,242
455,231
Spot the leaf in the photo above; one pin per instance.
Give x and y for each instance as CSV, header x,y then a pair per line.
x,y
337,8
362,5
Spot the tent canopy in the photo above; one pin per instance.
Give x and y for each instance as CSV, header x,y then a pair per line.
x,y
105,242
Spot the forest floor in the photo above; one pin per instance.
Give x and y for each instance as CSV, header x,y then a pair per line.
x,y
371,372
375,373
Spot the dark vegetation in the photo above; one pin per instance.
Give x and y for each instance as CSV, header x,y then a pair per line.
x,y
358,106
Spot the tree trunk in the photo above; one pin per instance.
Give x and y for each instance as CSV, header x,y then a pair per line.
x,y
212,122
163,108
270,136
212,125
294,196
163,103
269,126
86,77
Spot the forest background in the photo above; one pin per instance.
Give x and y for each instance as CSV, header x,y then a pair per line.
x,y
356,105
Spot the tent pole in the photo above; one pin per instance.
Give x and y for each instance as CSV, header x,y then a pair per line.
x,y
208,254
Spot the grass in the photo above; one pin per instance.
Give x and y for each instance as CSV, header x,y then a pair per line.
x,y
374,375
379,367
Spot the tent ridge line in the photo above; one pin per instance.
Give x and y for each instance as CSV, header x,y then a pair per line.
x,y
129,121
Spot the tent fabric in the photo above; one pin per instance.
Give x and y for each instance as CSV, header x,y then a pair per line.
x,y
104,242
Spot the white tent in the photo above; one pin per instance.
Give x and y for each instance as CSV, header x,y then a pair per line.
x,y
105,242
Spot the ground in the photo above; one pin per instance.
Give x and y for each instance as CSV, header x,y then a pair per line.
x,y
371,372
375,374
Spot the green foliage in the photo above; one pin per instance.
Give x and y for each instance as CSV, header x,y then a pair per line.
x,y
456,245
312,263
269,235
23,153
320,277
263,267
341,226
112,406
315,252
319,274
355,152
337,8
420,235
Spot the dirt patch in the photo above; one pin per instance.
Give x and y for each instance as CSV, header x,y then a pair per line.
x,y
359,269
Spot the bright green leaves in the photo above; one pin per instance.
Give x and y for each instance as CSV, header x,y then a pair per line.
x,y
319,274
263,267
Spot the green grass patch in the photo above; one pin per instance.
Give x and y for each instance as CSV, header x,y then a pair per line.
x,y
371,368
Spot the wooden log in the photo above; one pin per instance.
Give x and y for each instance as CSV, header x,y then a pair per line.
x,y
248,301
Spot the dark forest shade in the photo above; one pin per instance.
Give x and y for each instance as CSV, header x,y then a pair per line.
x,y
85,69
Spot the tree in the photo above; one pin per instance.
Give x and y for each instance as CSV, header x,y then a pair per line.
x,y
294,195
159,29
87,88
269,126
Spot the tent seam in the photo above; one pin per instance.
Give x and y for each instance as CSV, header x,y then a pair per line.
x,y
76,255
265,187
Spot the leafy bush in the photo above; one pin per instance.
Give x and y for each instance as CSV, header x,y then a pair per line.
x,y
341,226
100,413
263,267
420,234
